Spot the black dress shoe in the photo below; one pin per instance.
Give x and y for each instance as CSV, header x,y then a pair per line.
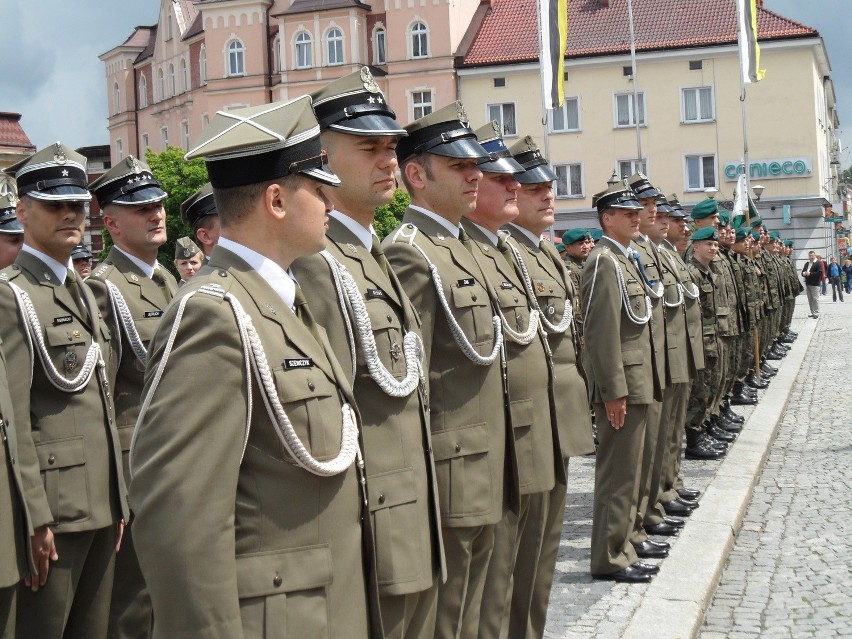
x,y
664,529
774,355
756,382
674,521
647,550
743,400
791,334
675,507
703,451
768,369
648,569
689,493
731,416
660,544
628,575
689,503
780,346
731,427
785,339
717,433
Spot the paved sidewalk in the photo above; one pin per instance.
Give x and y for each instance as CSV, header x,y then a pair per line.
x,y
673,604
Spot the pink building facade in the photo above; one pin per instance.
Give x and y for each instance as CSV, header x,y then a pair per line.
x,y
166,81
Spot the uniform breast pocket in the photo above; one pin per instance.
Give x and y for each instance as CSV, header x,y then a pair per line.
x,y
284,594
68,344
472,310
309,399
387,331
513,304
396,525
461,465
63,470
636,299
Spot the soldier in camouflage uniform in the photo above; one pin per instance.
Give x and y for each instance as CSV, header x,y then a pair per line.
x,y
741,394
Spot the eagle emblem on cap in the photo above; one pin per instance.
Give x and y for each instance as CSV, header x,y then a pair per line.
x,y
134,165
496,126
59,154
462,114
6,189
530,144
368,80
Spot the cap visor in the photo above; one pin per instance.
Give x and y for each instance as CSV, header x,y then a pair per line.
x,y
463,148
536,175
11,226
501,165
652,192
67,193
630,205
147,195
371,124
326,177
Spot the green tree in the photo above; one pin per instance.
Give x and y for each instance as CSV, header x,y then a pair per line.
x,y
389,216
179,179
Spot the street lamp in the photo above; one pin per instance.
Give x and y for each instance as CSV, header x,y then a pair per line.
x,y
711,192
758,191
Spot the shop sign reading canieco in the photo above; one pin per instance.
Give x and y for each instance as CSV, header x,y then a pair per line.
x,y
771,169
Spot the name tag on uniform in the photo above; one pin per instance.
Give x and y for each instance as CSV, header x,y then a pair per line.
x,y
66,319
153,314
468,281
376,294
630,280
506,285
305,362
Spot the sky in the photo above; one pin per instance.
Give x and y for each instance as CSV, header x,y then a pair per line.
x,y
50,72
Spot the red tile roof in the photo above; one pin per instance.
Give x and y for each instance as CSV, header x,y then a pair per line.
x,y
12,134
507,34
148,51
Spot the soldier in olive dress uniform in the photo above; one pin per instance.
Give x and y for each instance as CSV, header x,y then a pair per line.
x,y
375,333
69,453
11,231
248,508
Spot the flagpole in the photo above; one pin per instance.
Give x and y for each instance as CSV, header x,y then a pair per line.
x,y
635,91
544,114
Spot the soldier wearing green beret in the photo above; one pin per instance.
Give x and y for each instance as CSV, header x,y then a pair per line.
x,y
578,244
360,133
551,289
255,493
704,214
743,392
69,452
188,259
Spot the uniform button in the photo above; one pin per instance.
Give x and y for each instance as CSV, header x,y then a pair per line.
x,y
225,274
277,581
311,385
458,448
381,498
52,459
390,318
473,297
515,298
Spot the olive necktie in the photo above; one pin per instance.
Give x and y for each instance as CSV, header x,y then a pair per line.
x,y
464,238
303,312
159,279
379,255
76,294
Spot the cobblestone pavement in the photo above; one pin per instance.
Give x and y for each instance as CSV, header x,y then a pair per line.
x,y
582,607
790,570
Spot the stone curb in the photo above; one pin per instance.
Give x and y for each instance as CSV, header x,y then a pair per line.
x,y
684,588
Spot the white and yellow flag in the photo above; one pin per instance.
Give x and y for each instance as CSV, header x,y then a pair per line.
x,y
747,38
552,40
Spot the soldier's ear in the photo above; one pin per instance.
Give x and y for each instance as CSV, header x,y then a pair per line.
x,y
415,175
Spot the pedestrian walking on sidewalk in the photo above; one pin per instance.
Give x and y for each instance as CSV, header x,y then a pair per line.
x,y
812,272
847,270
834,273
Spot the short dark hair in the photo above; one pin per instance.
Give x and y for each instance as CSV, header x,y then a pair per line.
x,y
236,202
424,160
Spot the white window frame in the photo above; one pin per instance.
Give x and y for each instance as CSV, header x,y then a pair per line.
x,y
169,32
564,111
635,167
422,35
698,103
184,76
640,96
421,104
567,168
143,144
701,157
119,149
496,111
161,83
202,64
184,134
380,34
276,55
164,137
334,43
143,91
235,47
116,98
303,40
172,80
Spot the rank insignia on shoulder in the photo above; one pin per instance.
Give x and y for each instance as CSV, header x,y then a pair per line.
x,y
352,248
376,294
468,281
507,286
65,319
153,314
304,362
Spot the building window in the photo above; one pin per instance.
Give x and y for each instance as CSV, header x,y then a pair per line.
x,y
164,137
184,76
143,91
184,134
569,180
172,80
202,65
380,46
624,115
700,172
334,46
419,40
143,144
698,104
626,168
236,58
421,103
696,65
504,114
161,84
567,117
304,51
276,55
119,150
116,98
169,25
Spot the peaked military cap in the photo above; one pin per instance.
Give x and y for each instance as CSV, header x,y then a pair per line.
x,y
185,248
597,234
53,174
619,196
663,206
677,210
198,205
81,252
724,218
128,183
705,233
354,104
258,144
642,186
8,206
742,233
536,169
576,235
499,158
444,132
